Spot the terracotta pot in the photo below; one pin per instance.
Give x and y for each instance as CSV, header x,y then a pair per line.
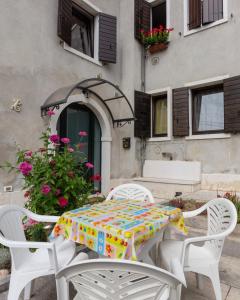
x,y
157,47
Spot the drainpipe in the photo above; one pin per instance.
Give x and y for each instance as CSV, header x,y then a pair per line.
x,y
143,142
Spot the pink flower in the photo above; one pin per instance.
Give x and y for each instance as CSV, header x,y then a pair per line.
x,y
89,165
25,168
70,149
54,138
65,140
58,192
83,133
96,177
50,113
28,153
45,189
62,201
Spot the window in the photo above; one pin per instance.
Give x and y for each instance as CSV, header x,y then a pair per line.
x,y
160,116
204,12
159,15
208,110
82,31
87,32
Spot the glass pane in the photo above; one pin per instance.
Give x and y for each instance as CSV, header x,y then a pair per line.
x,y
208,112
159,15
160,117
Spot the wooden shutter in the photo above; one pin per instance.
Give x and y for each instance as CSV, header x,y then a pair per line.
x,y
231,88
142,106
181,112
107,38
212,11
194,12
65,20
142,17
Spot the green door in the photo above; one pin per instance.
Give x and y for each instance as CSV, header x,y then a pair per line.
x,y
76,118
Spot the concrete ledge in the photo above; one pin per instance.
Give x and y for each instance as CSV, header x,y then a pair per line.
x,y
16,197
221,182
166,180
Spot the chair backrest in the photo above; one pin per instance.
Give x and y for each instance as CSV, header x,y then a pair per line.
x,y
222,220
131,191
11,228
107,279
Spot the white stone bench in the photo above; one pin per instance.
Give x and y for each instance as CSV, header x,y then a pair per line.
x,y
179,172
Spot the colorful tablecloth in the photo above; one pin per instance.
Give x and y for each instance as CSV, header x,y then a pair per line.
x,y
117,228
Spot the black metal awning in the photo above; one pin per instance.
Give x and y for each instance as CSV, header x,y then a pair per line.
x,y
114,100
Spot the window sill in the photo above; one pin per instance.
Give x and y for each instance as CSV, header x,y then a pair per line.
x,y
82,55
159,139
205,27
208,136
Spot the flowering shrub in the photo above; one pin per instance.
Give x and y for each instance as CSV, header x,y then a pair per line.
x,y
56,177
156,35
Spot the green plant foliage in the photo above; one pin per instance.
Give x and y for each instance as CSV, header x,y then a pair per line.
x,y
232,196
56,177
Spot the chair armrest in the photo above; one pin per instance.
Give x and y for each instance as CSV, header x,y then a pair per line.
x,y
199,239
26,244
194,213
42,218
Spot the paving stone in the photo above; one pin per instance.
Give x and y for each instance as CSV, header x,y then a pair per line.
x,y
230,271
234,294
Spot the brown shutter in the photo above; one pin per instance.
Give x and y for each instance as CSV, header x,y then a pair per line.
x,y
212,11
232,104
181,112
107,38
195,7
142,106
142,17
65,20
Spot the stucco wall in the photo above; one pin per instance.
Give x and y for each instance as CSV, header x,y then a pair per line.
x,y
33,65
210,53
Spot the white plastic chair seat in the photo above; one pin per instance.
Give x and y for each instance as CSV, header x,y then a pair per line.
x,y
170,249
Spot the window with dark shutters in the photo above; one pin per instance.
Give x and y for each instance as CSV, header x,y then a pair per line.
x,y
65,20
142,106
231,88
181,112
142,17
107,38
194,13
212,11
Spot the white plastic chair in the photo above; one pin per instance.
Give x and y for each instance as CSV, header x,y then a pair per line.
x,y
130,191
26,265
203,259
109,279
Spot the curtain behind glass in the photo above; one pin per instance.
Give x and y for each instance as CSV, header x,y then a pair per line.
x,y
160,120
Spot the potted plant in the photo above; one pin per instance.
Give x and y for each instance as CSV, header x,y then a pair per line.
x,y
157,39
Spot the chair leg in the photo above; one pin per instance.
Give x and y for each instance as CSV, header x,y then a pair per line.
x,y
15,288
214,276
27,291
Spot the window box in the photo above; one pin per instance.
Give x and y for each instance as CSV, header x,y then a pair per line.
x,y
157,47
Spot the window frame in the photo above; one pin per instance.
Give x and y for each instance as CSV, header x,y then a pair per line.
x,y
94,11
155,98
188,31
158,92
155,3
212,88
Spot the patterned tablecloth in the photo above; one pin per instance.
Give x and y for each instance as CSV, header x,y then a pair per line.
x,y
117,228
